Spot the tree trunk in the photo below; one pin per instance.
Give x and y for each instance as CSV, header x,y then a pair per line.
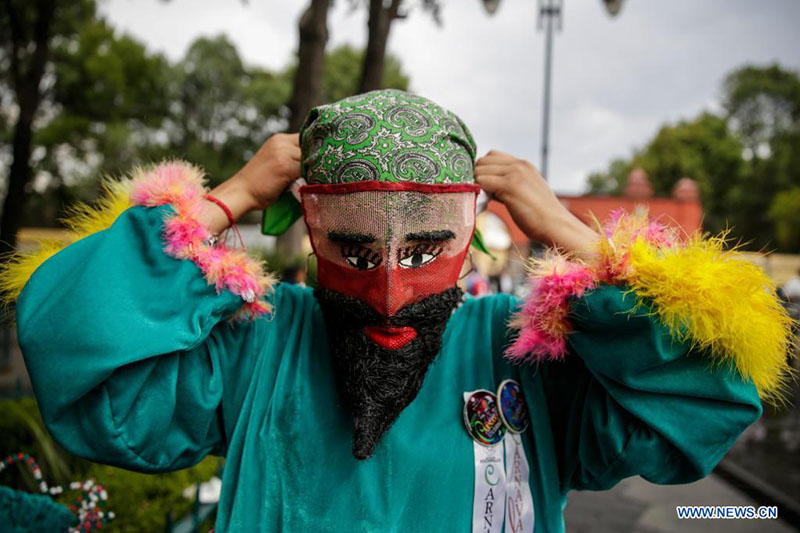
x,y
379,24
28,95
307,91
18,176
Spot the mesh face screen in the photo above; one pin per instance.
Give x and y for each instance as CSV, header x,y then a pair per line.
x,y
389,248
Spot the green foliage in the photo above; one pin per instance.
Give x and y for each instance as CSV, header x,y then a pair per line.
x,y
705,150
343,68
762,103
611,181
22,430
140,501
109,92
111,104
105,77
742,161
224,110
785,214
763,106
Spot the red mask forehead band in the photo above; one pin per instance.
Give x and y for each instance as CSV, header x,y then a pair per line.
x,y
360,186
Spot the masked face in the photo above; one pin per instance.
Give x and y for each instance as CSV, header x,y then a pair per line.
x,y
388,262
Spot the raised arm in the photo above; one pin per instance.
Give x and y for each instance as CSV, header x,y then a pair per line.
x,y
130,331
650,352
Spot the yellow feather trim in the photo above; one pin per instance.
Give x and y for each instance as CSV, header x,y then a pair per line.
x,y
84,219
81,221
20,266
719,301
705,294
172,182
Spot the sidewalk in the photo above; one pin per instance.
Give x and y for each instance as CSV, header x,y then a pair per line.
x,y
638,506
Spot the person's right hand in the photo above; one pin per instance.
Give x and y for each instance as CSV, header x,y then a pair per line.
x,y
259,183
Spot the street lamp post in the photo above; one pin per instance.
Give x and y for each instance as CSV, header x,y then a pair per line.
x,y
550,19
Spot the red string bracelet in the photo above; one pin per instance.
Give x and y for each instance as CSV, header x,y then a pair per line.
x,y
228,213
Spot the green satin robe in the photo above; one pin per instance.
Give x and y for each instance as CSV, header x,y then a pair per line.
x,y
134,364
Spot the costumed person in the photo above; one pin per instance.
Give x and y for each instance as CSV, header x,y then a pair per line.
x,y
383,400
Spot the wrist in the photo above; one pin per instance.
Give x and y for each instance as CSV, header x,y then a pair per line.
x,y
568,233
232,193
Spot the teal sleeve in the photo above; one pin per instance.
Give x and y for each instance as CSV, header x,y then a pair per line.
x,y
124,350
631,400
22,512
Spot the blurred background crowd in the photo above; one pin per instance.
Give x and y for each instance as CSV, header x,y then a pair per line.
x,y
690,110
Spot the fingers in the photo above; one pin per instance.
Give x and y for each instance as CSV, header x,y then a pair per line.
x,y
288,138
293,171
490,183
292,145
497,170
284,145
491,171
497,163
294,152
496,160
498,153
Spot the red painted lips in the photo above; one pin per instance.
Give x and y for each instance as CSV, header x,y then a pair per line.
x,y
391,337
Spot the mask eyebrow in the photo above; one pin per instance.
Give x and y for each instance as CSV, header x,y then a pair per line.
x,y
440,235
350,238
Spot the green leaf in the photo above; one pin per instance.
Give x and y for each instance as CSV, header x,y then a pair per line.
x,y
477,243
281,215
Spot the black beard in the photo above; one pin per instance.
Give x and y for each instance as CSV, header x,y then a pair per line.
x,y
377,383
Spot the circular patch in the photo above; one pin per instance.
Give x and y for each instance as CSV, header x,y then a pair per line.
x,y
483,419
513,409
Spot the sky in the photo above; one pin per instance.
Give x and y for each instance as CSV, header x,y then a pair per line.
x,y
615,82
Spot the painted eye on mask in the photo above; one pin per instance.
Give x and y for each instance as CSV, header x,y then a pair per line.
x,y
360,258
418,255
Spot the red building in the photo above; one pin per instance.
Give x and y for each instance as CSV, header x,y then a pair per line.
x,y
681,209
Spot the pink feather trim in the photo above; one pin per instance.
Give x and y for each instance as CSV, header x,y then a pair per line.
x,y
543,322
182,186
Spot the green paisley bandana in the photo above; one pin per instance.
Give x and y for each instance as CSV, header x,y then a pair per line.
x,y
386,135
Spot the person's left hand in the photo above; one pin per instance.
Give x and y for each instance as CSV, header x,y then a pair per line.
x,y
531,203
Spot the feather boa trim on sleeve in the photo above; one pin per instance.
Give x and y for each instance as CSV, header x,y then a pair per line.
x,y
706,295
180,185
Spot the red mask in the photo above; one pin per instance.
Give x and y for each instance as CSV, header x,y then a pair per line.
x,y
389,244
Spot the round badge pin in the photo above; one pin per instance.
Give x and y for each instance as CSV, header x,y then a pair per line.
x,y
482,418
513,409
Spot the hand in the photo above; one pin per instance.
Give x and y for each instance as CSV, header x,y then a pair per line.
x,y
533,206
259,183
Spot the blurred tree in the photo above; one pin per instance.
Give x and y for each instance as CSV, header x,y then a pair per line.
x,y
611,181
703,149
381,15
224,110
106,107
307,87
342,70
762,103
763,108
746,162
784,212
706,150
27,29
108,104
